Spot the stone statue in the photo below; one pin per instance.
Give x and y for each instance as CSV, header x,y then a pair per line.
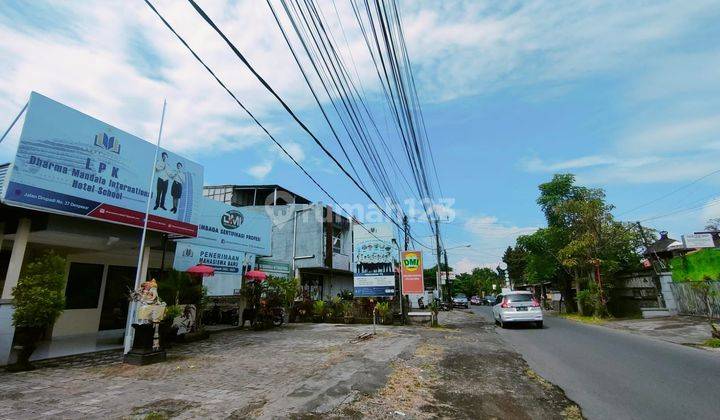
x,y
150,309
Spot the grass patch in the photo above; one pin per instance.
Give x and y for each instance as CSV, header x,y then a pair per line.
x,y
584,319
712,342
572,412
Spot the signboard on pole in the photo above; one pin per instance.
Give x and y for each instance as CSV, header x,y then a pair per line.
x,y
698,240
374,256
444,275
412,272
273,267
229,228
70,163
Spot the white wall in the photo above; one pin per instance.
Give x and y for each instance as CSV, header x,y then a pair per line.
x,y
87,321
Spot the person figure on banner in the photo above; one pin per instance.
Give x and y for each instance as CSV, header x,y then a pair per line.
x,y
161,169
178,176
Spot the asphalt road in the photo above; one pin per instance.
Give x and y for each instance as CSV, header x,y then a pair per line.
x,y
619,375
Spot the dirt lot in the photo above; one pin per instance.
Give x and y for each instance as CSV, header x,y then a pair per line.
x,y
462,370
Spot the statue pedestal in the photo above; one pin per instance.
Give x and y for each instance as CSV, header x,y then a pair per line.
x,y
142,352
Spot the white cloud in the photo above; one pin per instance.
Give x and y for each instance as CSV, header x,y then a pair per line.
x,y
466,48
489,238
260,171
675,151
295,150
488,227
467,264
117,63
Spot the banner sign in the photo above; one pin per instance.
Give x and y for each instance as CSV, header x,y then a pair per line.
x,y
273,267
698,240
374,256
230,228
70,163
412,272
222,260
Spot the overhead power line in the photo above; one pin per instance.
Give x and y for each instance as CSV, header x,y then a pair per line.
x,y
269,88
249,113
676,190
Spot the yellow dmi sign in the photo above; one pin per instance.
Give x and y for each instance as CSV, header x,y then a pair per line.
x,y
411,261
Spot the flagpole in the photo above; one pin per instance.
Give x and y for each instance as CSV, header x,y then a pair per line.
x,y
129,333
14,121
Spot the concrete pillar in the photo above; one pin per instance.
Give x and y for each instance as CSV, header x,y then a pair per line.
x,y
7,330
668,296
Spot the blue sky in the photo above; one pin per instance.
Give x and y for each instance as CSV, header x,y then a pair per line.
x,y
625,95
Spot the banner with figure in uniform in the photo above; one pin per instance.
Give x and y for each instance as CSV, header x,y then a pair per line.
x,y
374,256
70,163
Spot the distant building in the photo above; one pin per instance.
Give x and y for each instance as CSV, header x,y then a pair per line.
x,y
310,237
664,249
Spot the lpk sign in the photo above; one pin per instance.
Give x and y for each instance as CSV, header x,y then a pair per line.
x,y
70,163
698,240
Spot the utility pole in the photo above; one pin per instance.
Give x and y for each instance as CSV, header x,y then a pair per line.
x,y
661,265
447,275
656,269
437,249
406,231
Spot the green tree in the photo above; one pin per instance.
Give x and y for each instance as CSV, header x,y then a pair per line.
x,y
516,260
430,274
477,282
581,237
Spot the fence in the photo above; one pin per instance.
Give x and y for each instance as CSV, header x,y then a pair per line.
x,y
690,302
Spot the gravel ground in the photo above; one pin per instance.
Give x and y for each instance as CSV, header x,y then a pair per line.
x,y
462,370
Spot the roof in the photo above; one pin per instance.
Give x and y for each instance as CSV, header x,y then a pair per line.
x,y
257,186
664,244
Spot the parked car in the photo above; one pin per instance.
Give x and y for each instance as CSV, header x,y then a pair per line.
x,y
517,306
475,300
460,301
488,300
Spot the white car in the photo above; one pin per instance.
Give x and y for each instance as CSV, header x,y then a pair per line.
x,y
517,306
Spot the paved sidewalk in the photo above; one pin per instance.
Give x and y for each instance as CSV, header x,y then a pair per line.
x,y
675,329
297,371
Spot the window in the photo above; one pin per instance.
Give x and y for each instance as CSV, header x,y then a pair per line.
x,y
337,241
119,282
525,297
83,286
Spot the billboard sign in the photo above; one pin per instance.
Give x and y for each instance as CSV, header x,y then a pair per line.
x,y
412,272
230,228
70,163
224,261
698,240
374,257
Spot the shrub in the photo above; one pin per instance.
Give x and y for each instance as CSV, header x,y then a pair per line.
x,y
38,297
319,308
347,308
584,300
336,307
172,312
178,287
383,309
287,289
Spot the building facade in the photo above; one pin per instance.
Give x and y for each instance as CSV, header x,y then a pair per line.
x,y
310,237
